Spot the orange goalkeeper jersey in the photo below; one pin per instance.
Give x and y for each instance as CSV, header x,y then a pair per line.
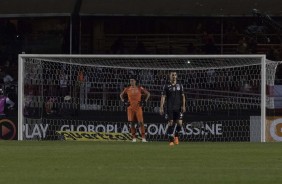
x,y
134,95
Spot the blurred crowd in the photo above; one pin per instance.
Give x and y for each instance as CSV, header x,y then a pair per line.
x,y
197,37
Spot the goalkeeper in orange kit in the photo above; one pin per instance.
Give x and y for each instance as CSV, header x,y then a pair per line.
x,y
134,110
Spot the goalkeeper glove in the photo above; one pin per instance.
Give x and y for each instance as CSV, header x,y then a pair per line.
x,y
142,103
126,103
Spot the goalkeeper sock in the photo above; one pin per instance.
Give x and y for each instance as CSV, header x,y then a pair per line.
x,y
133,130
170,133
178,129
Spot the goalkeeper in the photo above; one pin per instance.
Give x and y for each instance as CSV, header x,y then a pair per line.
x,y
175,107
134,106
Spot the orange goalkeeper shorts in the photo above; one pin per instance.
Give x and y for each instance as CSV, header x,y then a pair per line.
x,y
135,114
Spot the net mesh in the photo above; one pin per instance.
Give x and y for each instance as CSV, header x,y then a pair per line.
x,y
225,90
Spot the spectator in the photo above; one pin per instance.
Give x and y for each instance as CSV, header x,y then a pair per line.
x,y
272,54
50,106
140,48
280,53
209,43
3,101
231,35
63,83
191,49
242,47
245,83
118,47
7,79
253,45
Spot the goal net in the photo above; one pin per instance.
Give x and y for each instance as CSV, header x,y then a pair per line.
x,y
76,97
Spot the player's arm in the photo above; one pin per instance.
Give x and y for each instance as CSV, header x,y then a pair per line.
x,y
163,97
183,107
122,95
147,94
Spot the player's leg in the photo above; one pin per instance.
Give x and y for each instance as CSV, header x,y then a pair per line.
x,y
142,130
170,127
170,132
177,130
139,115
133,131
178,116
130,117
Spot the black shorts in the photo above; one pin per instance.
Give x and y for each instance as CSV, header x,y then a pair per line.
x,y
174,115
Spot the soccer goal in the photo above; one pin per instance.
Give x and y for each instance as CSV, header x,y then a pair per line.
x,y
76,97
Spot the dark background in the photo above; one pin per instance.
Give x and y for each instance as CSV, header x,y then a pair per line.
x,y
137,27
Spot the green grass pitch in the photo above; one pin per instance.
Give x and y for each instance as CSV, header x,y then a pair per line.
x,y
64,162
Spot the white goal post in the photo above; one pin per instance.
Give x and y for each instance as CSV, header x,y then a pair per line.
x,y
231,88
